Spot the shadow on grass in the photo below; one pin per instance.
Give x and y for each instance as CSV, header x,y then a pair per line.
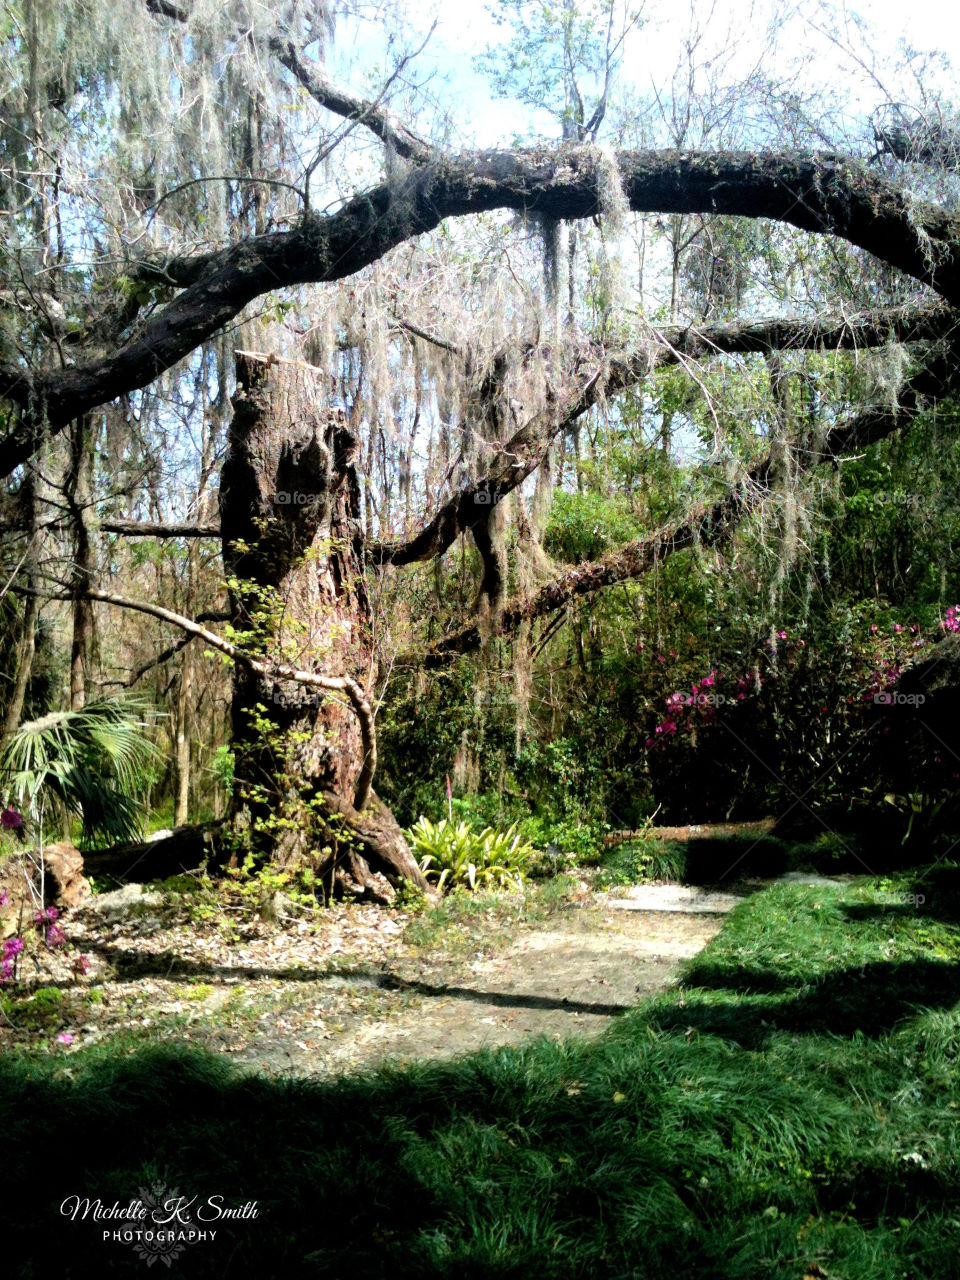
x,y
629,1157
869,1000
740,1128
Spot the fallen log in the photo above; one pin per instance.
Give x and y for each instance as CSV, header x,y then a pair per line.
x,y
184,849
703,831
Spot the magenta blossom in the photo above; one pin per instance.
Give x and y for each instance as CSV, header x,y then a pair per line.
x,y
11,819
65,1037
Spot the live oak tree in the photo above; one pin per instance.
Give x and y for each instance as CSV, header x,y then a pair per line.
x,y
158,201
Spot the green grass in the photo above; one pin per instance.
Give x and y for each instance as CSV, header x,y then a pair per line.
x,y
792,1106
461,921
722,859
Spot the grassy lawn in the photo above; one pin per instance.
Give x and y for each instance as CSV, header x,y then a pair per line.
x,y
791,1110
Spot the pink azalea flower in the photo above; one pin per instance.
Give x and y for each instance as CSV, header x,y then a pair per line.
x,y
11,819
65,1037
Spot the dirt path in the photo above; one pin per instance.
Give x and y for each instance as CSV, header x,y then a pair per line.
x,y
564,981
352,986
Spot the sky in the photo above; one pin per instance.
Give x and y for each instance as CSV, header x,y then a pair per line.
x,y
856,70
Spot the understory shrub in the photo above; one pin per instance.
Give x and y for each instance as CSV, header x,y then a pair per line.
x,y
455,854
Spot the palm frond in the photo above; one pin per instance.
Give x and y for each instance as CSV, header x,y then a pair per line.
x,y
92,761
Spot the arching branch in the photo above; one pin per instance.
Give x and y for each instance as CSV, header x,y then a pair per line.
x,y
712,525
814,193
520,456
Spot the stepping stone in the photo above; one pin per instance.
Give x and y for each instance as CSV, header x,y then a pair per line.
x,y
807,877
689,899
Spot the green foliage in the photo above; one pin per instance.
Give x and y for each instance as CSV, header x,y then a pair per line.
x,y
583,526
89,763
551,48
642,861
791,1109
455,854
221,766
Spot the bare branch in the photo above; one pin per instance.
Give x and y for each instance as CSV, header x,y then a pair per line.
x,y
154,529
372,115
268,670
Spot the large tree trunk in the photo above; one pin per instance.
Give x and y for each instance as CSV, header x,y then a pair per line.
x,y
293,550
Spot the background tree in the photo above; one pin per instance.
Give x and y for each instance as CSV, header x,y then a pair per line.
x,y
147,245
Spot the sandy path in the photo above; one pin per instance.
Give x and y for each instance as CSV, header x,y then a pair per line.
x,y
569,980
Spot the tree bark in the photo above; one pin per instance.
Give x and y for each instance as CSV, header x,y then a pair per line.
x,y
26,648
293,551
77,490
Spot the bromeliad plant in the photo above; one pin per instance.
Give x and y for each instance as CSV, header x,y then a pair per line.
x,y
454,854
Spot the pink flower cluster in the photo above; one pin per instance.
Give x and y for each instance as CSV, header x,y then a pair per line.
x,y
888,656
8,965
952,620
678,705
53,932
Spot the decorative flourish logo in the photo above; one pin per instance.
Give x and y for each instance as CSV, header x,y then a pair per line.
x,y
168,1240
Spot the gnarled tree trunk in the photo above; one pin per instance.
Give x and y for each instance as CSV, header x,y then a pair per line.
x,y
293,550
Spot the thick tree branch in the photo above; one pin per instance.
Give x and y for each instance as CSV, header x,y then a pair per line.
x,y
713,525
159,529
470,508
814,193
520,456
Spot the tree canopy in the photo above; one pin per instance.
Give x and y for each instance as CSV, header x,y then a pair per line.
x,y
692,307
